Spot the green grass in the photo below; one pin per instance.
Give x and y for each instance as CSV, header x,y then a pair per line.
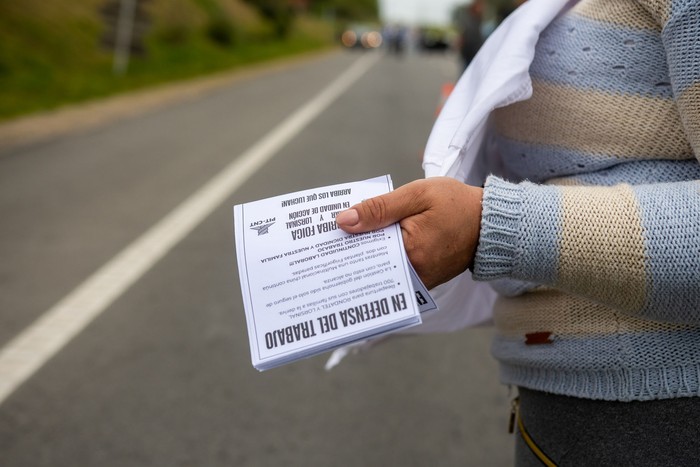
x,y
50,53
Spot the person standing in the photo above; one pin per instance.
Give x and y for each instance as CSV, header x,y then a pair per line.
x,y
470,39
591,236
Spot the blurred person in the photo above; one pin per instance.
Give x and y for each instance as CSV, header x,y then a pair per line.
x,y
395,36
504,10
589,232
470,38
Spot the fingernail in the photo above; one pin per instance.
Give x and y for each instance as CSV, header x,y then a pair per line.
x,y
348,218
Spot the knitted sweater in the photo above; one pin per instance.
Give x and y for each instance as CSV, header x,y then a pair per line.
x,y
594,240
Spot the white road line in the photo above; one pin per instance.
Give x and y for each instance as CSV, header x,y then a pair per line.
x,y
32,348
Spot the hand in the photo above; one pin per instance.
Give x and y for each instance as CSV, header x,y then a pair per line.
x,y
440,220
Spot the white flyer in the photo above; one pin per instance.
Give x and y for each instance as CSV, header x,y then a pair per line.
x,y
309,287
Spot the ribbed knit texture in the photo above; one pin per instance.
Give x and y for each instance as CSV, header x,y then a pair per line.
x,y
597,254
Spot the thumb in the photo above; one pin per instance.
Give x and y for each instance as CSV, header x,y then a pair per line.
x,y
380,211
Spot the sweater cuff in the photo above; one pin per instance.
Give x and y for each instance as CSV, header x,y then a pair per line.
x,y
497,251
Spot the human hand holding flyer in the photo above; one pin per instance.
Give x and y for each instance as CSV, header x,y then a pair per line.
x,y
308,287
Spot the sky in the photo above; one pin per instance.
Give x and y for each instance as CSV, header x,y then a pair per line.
x,y
435,12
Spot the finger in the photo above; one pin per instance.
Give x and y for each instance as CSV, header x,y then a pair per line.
x,y
381,211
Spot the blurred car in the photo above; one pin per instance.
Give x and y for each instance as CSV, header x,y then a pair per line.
x,y
433,40
361,36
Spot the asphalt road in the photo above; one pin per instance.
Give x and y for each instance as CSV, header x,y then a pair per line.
x,y
162,377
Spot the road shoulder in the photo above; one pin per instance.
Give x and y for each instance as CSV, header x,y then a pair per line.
x,y
92,114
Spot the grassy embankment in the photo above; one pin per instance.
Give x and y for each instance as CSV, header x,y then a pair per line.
x,y
51,52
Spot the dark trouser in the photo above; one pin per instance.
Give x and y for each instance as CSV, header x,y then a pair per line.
x,y
584,432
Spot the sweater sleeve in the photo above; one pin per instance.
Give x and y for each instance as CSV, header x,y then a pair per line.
x,y
634,248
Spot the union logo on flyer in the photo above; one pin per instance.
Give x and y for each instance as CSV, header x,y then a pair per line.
x,y
263,227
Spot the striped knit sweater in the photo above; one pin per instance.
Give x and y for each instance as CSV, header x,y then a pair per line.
x,y
594,240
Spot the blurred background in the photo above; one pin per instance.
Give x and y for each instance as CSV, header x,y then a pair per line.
x,y
114,113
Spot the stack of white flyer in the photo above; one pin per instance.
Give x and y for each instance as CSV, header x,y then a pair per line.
x,y
308,287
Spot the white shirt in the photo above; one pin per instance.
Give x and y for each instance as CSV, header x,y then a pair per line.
x,y
498,76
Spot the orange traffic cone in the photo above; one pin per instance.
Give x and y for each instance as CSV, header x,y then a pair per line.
x,y
445,92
